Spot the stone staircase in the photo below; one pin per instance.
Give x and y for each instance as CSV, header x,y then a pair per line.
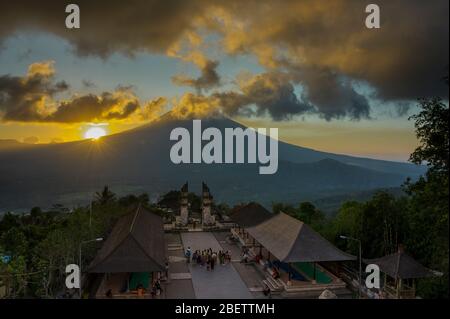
x,y
174,246
276,285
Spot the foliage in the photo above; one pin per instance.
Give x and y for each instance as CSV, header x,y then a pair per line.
x,y
432,131
42,243
418,220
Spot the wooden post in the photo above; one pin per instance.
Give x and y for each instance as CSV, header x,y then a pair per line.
x,y
314,271
289,271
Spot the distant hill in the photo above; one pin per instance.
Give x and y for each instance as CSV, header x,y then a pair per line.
x,y
138,161
11,144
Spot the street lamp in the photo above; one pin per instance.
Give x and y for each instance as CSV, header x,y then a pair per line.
x,y
81,244
360,261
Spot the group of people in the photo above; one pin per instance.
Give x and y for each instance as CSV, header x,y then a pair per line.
x,y
208,258
248,257
155,290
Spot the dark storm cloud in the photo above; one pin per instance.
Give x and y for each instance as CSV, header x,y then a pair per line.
x,y
128,109
404,59
31,98
91,107
324,46
208,78
106,27
333,96
21,98
270,93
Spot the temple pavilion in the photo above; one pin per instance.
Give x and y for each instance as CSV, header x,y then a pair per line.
x,y
400,274
306,262
133,255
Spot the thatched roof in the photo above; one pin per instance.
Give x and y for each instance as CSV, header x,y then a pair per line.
x,y
249,215
136,244
400,265
291,240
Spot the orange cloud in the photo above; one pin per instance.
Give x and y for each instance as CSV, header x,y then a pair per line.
x,y
31,98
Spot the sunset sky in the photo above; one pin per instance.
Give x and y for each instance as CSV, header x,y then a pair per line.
x,y
310,68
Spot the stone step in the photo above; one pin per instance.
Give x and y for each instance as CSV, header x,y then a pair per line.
x,y
172,247
180,275
265,282
275,282
175,259
280,282
273,290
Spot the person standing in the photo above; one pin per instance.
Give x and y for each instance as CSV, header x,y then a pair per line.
x,y
213,260
208,262
167,270
188,255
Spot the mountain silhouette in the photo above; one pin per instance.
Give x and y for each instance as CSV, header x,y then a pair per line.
x,y
138,160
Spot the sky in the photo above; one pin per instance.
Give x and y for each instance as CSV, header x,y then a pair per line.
x,y
310,68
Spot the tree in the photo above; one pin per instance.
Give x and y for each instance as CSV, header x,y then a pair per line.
x,y
432,131
105,196
14,242
428,221
378,223
9,221
309,214
131,199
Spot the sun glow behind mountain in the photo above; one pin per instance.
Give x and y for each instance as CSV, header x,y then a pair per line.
x,y
95,132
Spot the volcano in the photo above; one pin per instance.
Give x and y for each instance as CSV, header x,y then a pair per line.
x,y
138,161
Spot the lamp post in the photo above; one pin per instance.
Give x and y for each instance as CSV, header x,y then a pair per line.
x,y
81,244
90,215
90,211
360,261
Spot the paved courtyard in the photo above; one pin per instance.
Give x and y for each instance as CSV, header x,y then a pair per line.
x,y
224,281
180,284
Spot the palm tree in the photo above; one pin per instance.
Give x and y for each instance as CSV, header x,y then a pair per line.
x,y
105,197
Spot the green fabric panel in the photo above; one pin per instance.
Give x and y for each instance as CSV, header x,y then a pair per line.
x,y
139,278
308,270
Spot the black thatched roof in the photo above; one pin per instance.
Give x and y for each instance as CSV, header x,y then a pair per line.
x,y
136,244
291,240
250,214
400,265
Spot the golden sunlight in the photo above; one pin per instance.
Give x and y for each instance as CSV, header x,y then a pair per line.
x,y
94,132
